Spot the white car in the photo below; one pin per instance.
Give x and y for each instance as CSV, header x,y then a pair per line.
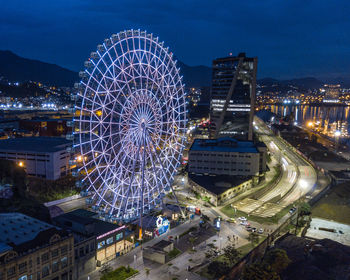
x,y
244,223
261,230
242,218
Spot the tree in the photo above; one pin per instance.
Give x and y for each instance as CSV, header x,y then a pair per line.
x,y
231,254
258,271
218,269
277,259
147,270
192,240
304,209
253,237
212,252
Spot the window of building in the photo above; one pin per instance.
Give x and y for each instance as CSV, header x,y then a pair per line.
x,y
45,271
11,271
64,249
92,246
64,262
101,244
109,240
24,277
76,253
45,257
22,266
37,260
54,266
38,276
119,236
54,253
81,251
87,249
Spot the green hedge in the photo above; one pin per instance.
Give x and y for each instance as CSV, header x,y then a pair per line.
x,y
121,273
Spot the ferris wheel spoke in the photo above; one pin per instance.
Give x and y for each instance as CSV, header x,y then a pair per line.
x,y
131,123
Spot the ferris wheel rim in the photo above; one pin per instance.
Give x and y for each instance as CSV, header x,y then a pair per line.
x,y
147,114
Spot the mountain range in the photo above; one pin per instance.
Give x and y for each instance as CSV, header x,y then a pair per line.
x,y
16,68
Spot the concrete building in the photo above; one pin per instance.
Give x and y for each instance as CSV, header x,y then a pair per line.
x,y
32,249
111,240
84,242
159,252
233,96
219,189
44,157
227,156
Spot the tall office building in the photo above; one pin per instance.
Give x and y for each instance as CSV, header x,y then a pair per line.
x,y
233,97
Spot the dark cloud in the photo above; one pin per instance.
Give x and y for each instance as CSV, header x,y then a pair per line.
x,y
291,38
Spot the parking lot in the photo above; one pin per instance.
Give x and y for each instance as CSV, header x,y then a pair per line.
x,y
321,228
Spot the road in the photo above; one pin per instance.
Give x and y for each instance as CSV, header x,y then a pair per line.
x,y
297,179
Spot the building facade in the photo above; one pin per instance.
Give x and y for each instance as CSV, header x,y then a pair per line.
x,y
219,189
227,156
110,239
233,97
32,250
44,157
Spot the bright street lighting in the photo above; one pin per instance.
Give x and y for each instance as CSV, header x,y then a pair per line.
x,y
337,133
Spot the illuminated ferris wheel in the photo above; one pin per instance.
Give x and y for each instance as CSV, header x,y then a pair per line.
x,y
129,124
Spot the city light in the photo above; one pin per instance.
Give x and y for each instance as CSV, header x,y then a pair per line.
x,y
337,133
21,164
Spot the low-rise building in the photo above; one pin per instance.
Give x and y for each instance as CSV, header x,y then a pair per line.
x,y
159,252
218,189
32,250
111,240
227,156
44,157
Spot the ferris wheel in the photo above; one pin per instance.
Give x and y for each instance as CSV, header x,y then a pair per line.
x,y
129,125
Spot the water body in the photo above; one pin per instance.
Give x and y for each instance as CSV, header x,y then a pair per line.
x,y
303,114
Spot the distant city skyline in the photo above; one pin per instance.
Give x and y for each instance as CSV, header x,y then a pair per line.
x,y
290,39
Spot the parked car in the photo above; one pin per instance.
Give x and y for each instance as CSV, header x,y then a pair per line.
x,y
260,231
292,210
231,220
242,218
248,228
245,223
253,229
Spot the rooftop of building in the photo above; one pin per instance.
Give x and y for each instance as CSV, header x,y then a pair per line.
x,y
84,217
224,144
34,144
218,184
159,246
18,228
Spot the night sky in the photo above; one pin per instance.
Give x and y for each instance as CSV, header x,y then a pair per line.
x,y
291,38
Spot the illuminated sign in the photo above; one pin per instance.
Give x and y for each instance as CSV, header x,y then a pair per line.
x,y
110,232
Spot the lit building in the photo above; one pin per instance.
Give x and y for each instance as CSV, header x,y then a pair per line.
x,y
111,240
31,249
44,157
331,93
227,156
233,96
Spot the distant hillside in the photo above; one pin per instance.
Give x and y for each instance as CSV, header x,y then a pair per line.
x,y
304,83
195,76
16,68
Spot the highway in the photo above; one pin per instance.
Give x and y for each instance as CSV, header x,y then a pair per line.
x,y
298,177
